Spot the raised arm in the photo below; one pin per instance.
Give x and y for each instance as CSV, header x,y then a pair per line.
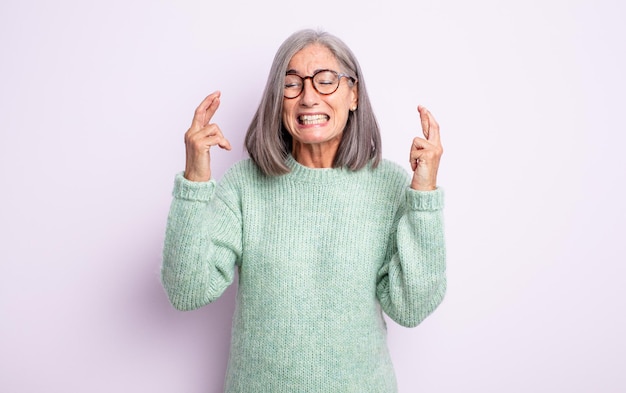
x,y
413,282
203,235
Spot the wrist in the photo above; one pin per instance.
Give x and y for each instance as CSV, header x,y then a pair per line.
x,y
423,188
197,177
421,185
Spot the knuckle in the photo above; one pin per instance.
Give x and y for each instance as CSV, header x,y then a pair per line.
x,y
192,139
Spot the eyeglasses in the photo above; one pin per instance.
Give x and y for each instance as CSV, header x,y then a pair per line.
x,y
324,81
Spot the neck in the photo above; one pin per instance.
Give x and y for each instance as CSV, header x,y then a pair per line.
x,y
315,155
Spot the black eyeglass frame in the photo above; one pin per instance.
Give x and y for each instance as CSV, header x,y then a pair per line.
x,y
311,77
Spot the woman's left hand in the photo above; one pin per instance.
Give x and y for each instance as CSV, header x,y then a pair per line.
x,y
426,153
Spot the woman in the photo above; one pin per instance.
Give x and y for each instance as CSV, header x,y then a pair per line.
x,y
323,232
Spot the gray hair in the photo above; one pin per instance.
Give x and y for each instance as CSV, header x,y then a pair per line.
x,y
268,142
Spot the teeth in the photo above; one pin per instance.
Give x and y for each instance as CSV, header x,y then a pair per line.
x,y
312,119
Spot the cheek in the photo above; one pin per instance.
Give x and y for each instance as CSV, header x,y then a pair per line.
x,y
343,118
342,109
346,102
286,113
287,118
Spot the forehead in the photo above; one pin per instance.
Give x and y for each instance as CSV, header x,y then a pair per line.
x,y
313,57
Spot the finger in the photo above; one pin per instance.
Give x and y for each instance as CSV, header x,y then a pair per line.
x,y
423,157
214,136
413,162
205,111
218,140
420,144
213,106
424,120
225,144
416,157
417,148
434,136
198,133
433,127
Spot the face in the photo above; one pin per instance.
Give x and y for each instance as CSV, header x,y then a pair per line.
x,y
313,118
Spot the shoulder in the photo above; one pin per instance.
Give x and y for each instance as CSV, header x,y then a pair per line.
x,y
386,183
241,173
391,173
392,167
244,166
239,177
243,179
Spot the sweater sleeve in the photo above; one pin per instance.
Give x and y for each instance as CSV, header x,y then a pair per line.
x,y
202,244
412,282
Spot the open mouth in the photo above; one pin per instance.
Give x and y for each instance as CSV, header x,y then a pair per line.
x,y
308,120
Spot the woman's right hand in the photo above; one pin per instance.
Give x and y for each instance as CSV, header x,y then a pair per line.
x,y
199,139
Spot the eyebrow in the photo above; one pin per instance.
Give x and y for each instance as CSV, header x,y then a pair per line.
x,y
292,71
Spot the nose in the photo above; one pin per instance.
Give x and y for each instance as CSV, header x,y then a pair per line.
x,y
310,96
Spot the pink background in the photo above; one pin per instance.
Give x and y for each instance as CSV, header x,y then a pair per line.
x,y
95,97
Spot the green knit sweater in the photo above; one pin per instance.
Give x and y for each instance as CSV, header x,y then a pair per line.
x,y
319,252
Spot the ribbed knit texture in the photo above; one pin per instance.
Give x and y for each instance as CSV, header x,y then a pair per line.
x,y
319,251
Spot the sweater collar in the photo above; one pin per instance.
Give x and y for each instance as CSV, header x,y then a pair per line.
x,y
304,174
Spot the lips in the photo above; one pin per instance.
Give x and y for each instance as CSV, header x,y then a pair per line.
x,y
308,120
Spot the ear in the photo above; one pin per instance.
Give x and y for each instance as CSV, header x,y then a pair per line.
x,y
354,96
